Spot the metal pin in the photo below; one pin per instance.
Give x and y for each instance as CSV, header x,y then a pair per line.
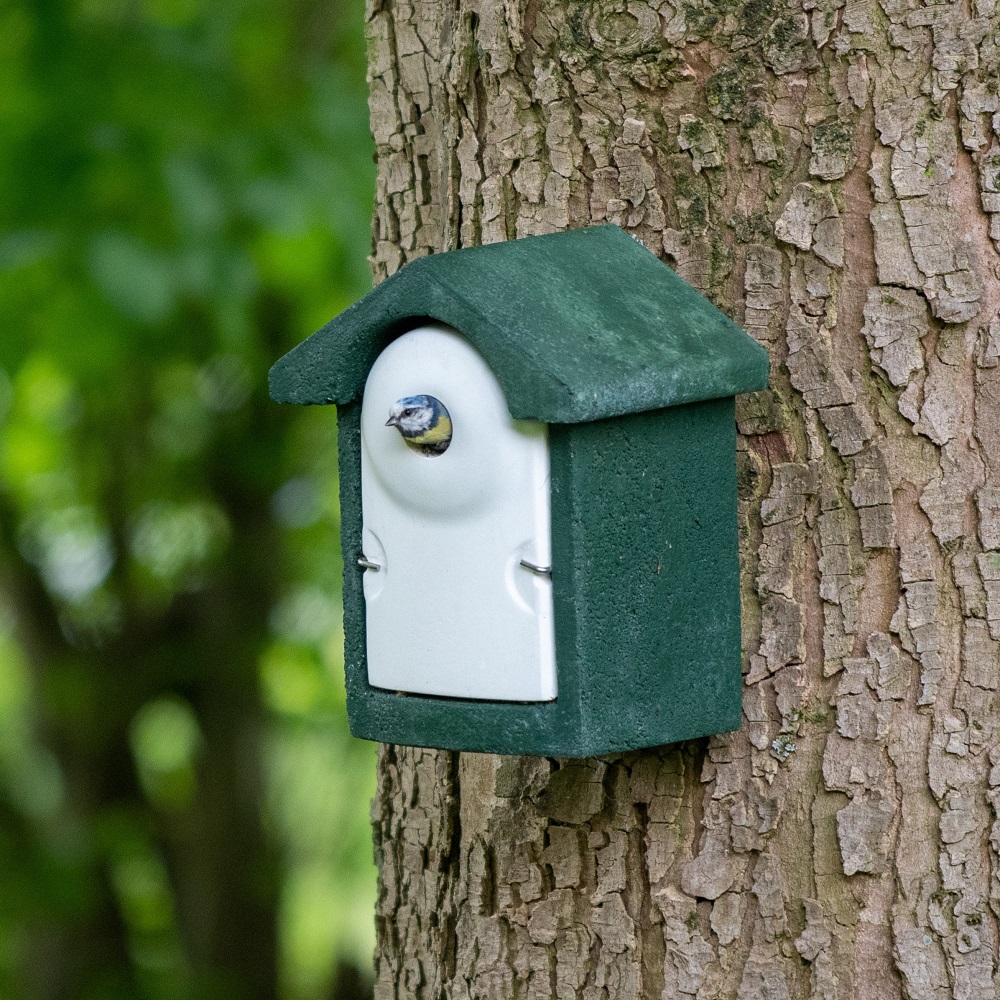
x,y
537,570
365,563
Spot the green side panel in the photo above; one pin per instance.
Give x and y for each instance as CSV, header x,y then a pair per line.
x,y
651,538
645,591
577,326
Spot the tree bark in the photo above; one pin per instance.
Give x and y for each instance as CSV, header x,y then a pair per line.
x,y
829,174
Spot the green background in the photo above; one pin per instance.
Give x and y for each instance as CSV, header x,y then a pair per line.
x,y
185,191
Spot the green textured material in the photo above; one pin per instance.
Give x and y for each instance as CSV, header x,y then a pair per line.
x,y
645,596
577,326
635,372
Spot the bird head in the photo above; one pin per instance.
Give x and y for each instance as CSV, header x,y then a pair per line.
x,y
423,421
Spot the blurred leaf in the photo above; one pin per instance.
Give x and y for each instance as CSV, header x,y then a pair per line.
x,y
165,737
133,276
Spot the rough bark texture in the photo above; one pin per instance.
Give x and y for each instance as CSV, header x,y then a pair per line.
x,y
829,173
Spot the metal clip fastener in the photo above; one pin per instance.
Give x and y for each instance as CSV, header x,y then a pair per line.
x,y
537,570
365,563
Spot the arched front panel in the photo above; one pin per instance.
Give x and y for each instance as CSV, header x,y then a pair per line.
x,y
458,597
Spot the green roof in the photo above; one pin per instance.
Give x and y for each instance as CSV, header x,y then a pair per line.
x,y
577,326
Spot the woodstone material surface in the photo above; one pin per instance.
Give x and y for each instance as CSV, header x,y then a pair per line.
x,y
577,326
828,172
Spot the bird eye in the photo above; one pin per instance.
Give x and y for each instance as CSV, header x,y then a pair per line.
x,y
408,412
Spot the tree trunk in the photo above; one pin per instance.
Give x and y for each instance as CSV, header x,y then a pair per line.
x,y
826,173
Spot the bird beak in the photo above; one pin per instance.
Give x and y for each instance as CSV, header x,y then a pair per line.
x,y
392,422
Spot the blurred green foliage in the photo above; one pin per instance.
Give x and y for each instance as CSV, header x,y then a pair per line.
x,y
185,192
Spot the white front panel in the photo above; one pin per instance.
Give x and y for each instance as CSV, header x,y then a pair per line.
x,y
451,611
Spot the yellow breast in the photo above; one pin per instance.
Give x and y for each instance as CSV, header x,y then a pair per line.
x,y
441,431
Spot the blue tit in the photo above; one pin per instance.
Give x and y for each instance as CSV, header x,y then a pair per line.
x,y
424,423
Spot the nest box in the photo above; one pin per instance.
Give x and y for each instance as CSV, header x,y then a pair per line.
x,y
537,451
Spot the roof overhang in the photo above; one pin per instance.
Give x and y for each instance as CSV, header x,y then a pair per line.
x,y
577,326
